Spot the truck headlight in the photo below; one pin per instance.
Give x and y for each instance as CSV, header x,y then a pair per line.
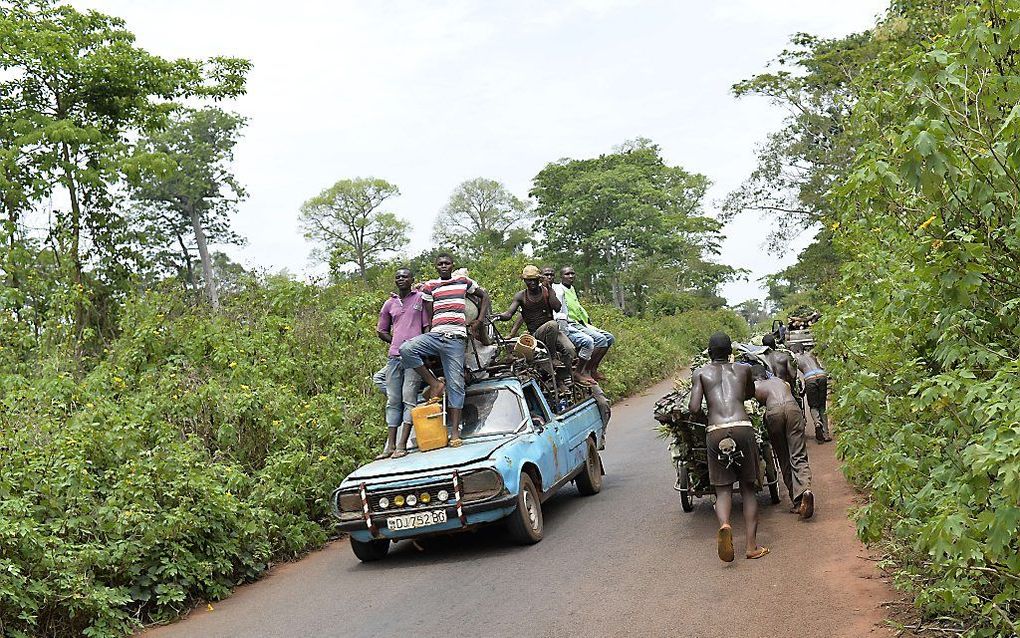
x,y
349,502
480,485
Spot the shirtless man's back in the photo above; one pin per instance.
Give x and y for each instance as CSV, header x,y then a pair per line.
x,y
725,386
785,423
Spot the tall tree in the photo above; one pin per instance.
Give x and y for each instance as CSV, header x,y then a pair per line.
x,y
346,222
482,216
188,186
615,211
76,91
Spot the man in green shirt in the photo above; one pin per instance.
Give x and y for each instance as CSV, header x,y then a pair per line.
x,y
577,318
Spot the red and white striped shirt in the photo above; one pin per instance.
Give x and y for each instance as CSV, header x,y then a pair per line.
x,y
447,297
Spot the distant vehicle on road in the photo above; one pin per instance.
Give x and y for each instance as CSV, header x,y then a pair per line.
x,y
517,452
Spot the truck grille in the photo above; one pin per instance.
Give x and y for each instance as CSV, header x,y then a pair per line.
x,y
431,488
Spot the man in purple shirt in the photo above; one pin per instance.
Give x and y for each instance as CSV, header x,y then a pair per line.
x,y
400,319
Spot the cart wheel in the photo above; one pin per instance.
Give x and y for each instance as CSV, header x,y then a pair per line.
x,y
772,472
684,485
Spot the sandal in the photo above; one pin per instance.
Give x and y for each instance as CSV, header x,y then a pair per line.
x,y
724,543
398,454
456,442
384,455
761,551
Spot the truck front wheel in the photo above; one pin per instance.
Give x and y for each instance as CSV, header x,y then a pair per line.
x,y
371,550
525,523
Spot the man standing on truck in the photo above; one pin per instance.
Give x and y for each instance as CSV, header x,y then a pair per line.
x,y
444,300
732,449
816,386
537,305
577,317
402,318
785,424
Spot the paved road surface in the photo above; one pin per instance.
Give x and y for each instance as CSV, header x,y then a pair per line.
x,y
626,562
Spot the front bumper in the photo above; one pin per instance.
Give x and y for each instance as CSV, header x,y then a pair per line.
x,y
475,514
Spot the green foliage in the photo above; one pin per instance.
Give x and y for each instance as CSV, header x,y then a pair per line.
x,y
483,217
346,222
204,445
184,187
923,334
624,216
75,93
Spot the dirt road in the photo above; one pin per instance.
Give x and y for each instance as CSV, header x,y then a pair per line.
x,y
626,562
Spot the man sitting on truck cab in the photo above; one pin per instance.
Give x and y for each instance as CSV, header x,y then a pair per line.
x,y
577,317
445,299
583,343
537,304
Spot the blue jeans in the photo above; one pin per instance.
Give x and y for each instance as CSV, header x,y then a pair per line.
x,y
450,351
583,343
601,338
401,388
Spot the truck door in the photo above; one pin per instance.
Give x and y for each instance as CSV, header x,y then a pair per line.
x,y
551,435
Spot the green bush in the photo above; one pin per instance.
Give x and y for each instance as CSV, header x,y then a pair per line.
x,y
204,446
923,338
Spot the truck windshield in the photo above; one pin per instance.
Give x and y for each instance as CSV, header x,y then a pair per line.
x,y
490,412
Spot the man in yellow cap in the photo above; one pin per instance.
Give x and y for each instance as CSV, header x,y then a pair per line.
x,y
538,305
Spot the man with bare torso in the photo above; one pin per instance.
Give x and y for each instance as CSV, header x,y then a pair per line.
x,y
538,304
780,363
816,386
785,423
732,449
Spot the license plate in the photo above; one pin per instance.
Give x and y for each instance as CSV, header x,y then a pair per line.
x,y
418,519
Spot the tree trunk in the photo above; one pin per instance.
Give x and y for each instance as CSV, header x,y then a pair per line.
x,y
203,253
76,265
617,293
190,284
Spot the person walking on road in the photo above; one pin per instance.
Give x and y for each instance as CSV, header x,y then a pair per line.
x,y
445,299
785,423
732,449
402,318
577,317
537,304
816,386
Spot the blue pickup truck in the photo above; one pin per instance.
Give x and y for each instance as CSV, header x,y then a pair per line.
x,y
516,454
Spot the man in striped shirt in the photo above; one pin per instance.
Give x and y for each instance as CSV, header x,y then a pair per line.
x,y
445,299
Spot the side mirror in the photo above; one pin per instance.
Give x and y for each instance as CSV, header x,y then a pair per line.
x,y
538,422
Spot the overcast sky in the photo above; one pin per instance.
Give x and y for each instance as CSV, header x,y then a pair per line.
x,y
429,94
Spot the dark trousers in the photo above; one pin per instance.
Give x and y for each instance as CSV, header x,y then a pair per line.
x,y
785,424
815,390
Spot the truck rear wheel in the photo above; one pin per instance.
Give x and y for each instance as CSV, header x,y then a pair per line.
x,y
589,481
372,550
526,523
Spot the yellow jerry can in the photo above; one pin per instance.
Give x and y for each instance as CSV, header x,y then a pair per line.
x,y
430,425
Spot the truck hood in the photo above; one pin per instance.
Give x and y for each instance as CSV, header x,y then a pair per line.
x,y
443,458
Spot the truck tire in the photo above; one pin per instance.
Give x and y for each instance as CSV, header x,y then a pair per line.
x,y
525,524
589,481
372,550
